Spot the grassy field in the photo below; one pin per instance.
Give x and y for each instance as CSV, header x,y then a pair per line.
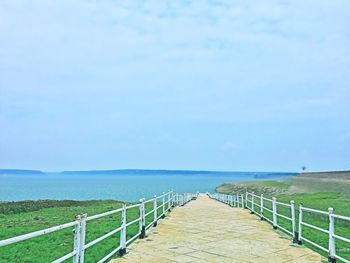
x,y
18,218
311,192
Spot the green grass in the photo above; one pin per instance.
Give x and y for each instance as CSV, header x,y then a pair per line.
x,y
18,218
300,185
320,200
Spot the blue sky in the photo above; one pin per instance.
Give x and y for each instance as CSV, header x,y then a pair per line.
x,y
217,85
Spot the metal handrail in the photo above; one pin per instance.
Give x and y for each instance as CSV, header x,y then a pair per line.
x,y
168,200
252,201
38,233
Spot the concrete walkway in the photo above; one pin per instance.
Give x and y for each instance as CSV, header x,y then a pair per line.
x,y
206,230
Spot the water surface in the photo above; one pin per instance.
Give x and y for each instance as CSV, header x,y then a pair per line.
x,y
118,187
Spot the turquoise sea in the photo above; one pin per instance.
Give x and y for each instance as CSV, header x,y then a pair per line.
x,y
126,187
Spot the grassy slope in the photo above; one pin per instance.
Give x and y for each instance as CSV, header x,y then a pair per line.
x,y
23,217
311,192
337,175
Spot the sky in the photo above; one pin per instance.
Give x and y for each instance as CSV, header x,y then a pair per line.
x,y
204,85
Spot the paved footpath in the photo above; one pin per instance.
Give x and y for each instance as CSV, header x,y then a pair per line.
x,y
206,230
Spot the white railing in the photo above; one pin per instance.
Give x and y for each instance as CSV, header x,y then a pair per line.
x,y
260,205
235,200
182,199
271,206
330,231
163,202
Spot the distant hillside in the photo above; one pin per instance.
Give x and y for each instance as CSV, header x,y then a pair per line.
x,y
273,175
338,175
337,182
19,171
257,175
142,172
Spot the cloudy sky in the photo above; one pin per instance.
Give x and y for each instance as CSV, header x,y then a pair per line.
x,y
218,85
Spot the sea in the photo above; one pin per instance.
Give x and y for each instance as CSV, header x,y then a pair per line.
x,y
121,186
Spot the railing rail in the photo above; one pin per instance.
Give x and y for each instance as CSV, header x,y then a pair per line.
x,y
264,203
164,202
259,205
236,200
332,236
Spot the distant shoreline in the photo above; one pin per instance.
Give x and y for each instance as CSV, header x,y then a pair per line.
x,y
20,171
142,172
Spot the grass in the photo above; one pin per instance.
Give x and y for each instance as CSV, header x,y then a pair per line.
x,y
291,190
18,218
296,185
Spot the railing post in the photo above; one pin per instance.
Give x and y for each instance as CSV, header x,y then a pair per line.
x,y
242,200
169,200
142,217
300,227
155,211
79,238
262,206
274,213
292,213
246,199
172,198
331,242
122,250
163,205
252,212
234,200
